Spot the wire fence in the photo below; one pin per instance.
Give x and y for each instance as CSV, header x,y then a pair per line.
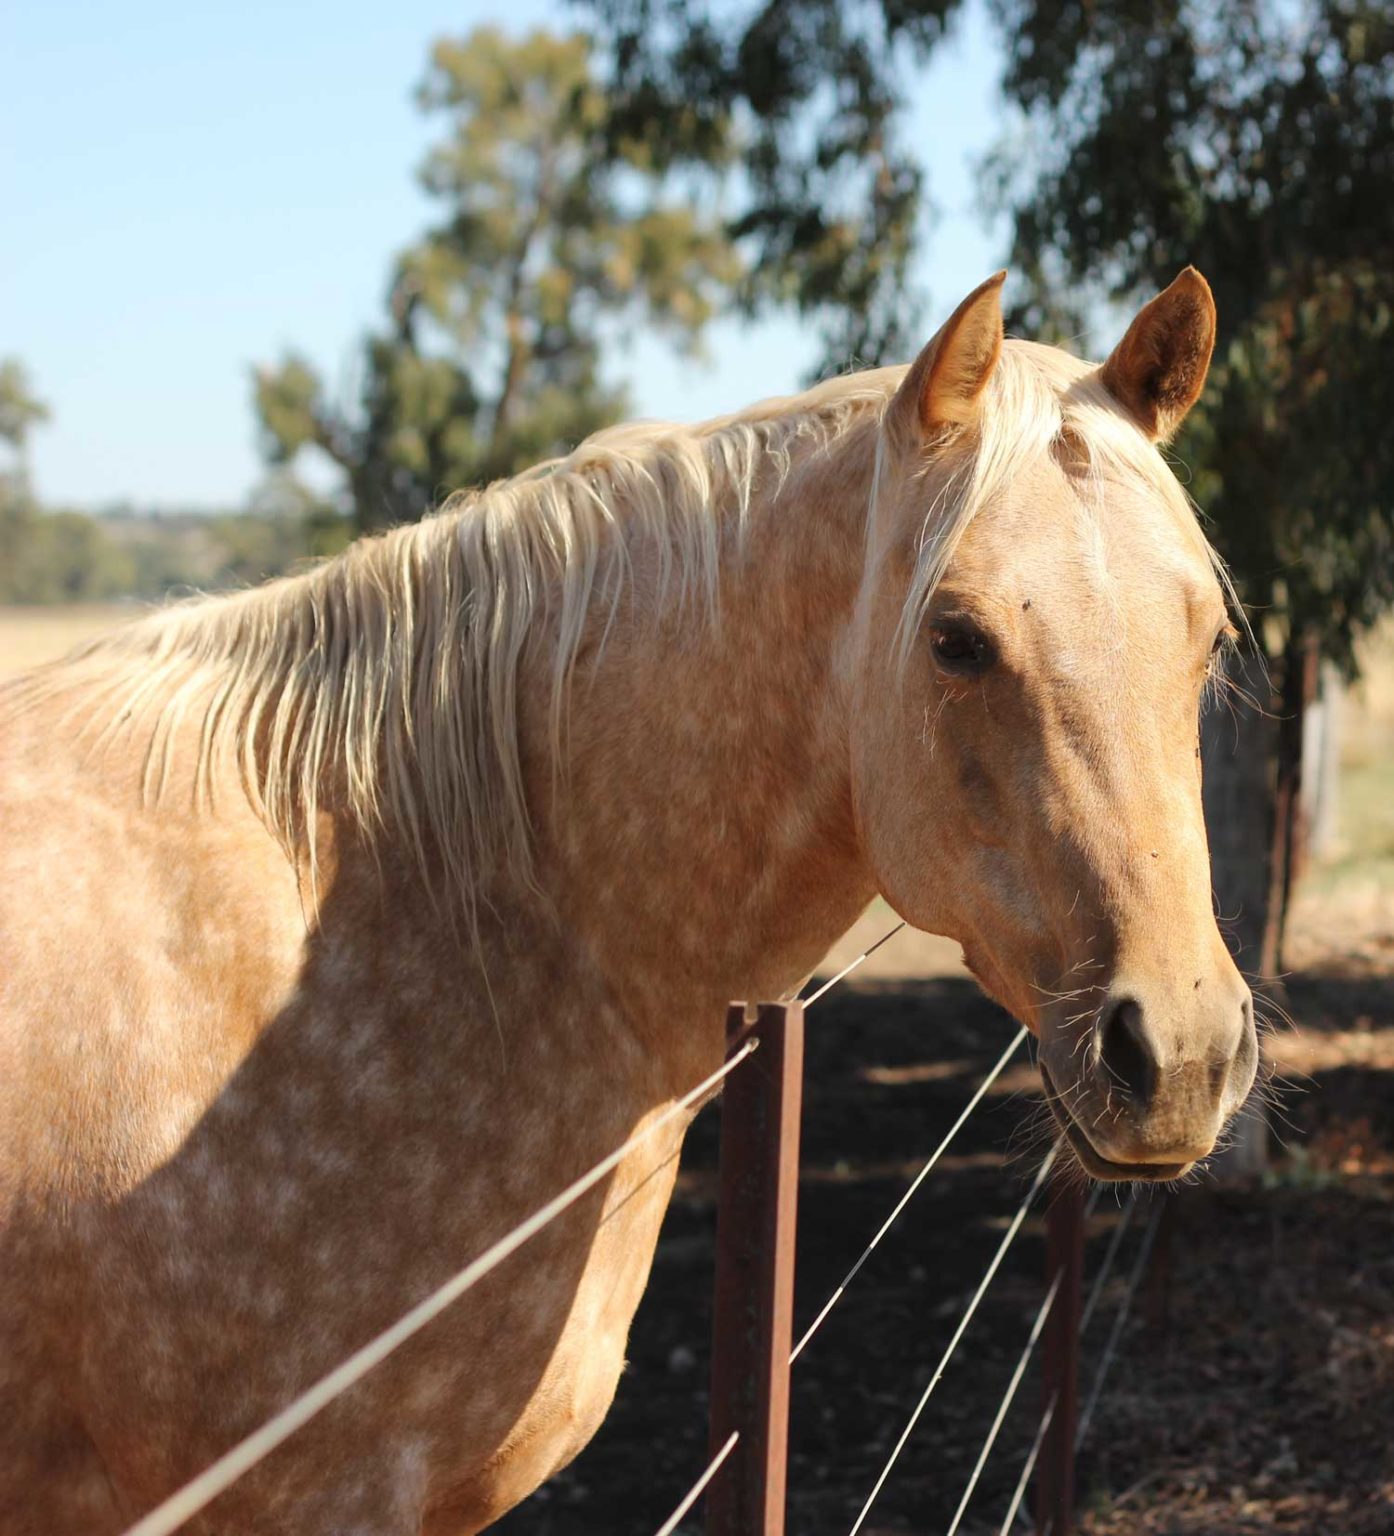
x,y
993,1266
1104,1273
753,1353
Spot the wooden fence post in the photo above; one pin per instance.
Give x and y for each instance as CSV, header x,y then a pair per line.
x,y
1055,1487
754,1305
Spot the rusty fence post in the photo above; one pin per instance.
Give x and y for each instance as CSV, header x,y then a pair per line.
x,y
1055,1484
754,1305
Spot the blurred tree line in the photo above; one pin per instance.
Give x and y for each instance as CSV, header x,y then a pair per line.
x,y
60,556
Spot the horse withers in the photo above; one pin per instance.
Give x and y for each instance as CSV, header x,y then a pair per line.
x,y
345,920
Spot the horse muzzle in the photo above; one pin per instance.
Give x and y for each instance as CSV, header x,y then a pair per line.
x,y
1136,1101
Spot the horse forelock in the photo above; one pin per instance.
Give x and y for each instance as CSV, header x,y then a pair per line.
x,y
1039,401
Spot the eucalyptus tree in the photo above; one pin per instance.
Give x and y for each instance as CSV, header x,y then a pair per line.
x,y
808,96
550,240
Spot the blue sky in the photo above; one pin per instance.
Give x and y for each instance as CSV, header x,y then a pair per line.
x,y
189,189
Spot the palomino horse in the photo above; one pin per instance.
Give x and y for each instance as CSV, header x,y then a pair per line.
x,y
347,919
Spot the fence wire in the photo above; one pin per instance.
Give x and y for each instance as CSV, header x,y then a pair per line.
x,y
1029,1466
695,1492
1120,1319
920,1177
847,970
1106,1264
1086,1316
1008,1237
1013,1384
1024,1359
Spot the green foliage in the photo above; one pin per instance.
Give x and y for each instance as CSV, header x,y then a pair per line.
x,y
1295,462
20,409
805,95
56,557
1257,141
289,406
490,360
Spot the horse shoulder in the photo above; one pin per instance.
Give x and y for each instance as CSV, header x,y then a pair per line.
x,y
141,949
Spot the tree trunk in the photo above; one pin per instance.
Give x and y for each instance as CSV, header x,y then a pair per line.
x,y
1301,661
515,325
1238,753
1238,740
1321,762
514,369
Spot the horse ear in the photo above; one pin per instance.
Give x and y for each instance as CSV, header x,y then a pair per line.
x,y
944,386
1158,369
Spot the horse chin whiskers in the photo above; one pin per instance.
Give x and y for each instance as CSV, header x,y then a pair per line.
x,y
1089,1159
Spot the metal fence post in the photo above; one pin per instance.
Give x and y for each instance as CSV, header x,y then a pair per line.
x,y
1055,1487
754,1303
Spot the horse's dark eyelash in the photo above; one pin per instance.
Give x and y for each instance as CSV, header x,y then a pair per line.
x,y
1225,643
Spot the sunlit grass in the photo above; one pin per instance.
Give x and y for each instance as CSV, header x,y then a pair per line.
x,y
1363,854
32,636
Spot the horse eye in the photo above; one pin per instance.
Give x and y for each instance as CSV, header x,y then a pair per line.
x,y
961,650
1224,640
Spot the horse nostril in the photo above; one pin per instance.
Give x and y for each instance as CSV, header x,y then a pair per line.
x,y
1126,1051
1241,1068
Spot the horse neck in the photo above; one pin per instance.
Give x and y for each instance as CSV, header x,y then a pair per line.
x,y
705,838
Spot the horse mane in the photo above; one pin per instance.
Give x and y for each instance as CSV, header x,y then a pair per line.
x,y
383,683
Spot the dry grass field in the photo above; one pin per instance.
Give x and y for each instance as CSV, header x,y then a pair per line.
x,y
31,636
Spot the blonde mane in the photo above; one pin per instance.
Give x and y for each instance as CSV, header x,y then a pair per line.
x,y
384,683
